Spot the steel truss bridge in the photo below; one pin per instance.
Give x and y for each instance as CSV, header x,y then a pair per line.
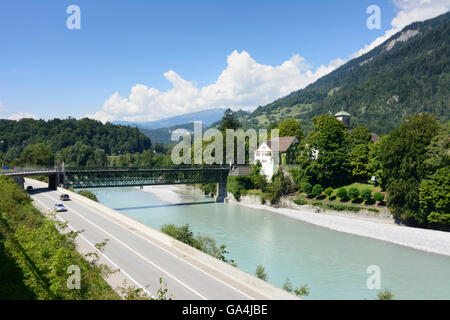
x,y
79,178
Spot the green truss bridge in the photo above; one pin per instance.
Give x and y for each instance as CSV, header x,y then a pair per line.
x,y
79,178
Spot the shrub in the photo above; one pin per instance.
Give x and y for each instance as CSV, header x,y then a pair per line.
x,y
300,202
366,194
378,196
261,273
88,194
353,193
342,193
307,188
236,184
329,191
317,190
280,185
340,207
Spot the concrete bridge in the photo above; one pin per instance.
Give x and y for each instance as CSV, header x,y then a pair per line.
x,y
84,177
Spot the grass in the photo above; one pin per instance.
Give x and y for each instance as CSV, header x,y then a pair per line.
x,y
254,192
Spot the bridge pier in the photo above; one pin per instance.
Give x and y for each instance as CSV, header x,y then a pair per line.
x,y
221,191
55,180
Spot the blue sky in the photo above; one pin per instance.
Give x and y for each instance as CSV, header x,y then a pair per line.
x,y
47,70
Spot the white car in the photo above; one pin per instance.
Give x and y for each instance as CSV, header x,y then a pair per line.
x,y
59,207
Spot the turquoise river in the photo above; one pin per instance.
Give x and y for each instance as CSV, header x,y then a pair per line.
x,y
332,264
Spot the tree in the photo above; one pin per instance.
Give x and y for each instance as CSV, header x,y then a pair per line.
x,y
37,154
325,159
260,273
403,157
291,128
229,121
353,193
359,161
360,136
329,191
434,197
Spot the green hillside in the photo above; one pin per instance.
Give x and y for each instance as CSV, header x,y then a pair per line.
x,y
69,135
406,75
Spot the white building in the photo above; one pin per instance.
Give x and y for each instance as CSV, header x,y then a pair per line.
x,y
272,153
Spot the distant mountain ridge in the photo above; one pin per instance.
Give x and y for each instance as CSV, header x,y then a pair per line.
x,y
207,117
406,75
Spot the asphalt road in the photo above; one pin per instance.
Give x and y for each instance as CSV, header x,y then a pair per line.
x,y
144,261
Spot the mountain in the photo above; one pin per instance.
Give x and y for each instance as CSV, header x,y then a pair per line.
x,y
207,117
406,75
164,135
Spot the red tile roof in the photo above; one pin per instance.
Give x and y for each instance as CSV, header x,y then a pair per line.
x,y
284,143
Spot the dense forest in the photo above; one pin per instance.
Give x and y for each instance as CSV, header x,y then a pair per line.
x,y
406,75
77,142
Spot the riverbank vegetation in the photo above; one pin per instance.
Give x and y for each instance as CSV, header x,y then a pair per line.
x,y
39,269
205,244
407,171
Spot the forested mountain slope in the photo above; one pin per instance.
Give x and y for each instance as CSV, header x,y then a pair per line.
x,y
406,75
60,134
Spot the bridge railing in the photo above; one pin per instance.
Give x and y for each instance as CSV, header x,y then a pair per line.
x,y
30,169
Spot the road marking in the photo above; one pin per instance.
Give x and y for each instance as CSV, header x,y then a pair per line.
x,y
134,251
165,250
103,254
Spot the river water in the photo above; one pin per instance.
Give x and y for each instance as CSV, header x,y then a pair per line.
x,y
332,264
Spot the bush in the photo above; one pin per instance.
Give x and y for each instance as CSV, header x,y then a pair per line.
x,y
307,188
317,190
342,193
378,196
366,194
300,202
236,184
353,193
340,207
281,185
329,191
88,194
261,273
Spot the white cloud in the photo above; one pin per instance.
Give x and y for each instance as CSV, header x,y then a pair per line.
x,y
21,115
244,84
409,11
